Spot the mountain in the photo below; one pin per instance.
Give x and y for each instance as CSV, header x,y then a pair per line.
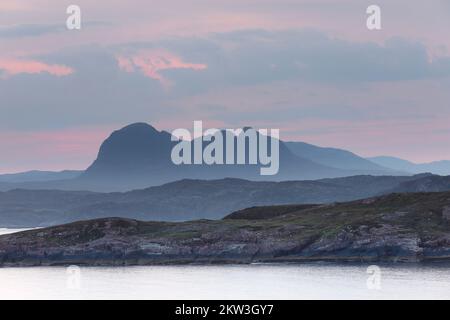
x,y
393,228
183,200
138,156
338,158
39,176
436,167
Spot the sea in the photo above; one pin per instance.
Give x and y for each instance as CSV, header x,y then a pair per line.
x,y
229,282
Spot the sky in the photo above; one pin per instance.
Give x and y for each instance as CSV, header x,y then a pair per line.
x,y
310,68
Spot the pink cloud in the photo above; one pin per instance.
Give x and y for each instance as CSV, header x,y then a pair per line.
x,y
152,62
6,5
15,66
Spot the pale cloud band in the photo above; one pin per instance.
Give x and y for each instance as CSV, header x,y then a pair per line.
x,y
12,67
151,62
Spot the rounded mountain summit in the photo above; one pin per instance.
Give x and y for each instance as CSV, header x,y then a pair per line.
x,y
139,155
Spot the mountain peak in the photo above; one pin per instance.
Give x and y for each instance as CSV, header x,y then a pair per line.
x,y
138,127
132,149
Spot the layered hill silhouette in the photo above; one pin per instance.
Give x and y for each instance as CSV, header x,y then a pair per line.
x,y
436,167
197,199
139,156
341,159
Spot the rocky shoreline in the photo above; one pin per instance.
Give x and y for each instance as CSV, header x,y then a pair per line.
x,y
393,228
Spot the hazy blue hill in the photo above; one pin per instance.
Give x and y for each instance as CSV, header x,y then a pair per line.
x,y
36,175
337,158
138,155
135,147
373,185
436,167
135,156
427,183
394,163
190,199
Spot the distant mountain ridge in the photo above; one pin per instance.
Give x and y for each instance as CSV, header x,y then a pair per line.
x,y
36,175
436,167
138,156
195,199
338,158
428,183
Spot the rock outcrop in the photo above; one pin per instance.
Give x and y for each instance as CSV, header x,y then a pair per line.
x,y
393,228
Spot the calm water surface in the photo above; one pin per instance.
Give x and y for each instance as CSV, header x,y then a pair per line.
x,y
280,281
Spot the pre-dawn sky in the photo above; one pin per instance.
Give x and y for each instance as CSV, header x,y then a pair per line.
x,y
308,67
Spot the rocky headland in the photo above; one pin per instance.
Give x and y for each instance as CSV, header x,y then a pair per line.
x,y
410,227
